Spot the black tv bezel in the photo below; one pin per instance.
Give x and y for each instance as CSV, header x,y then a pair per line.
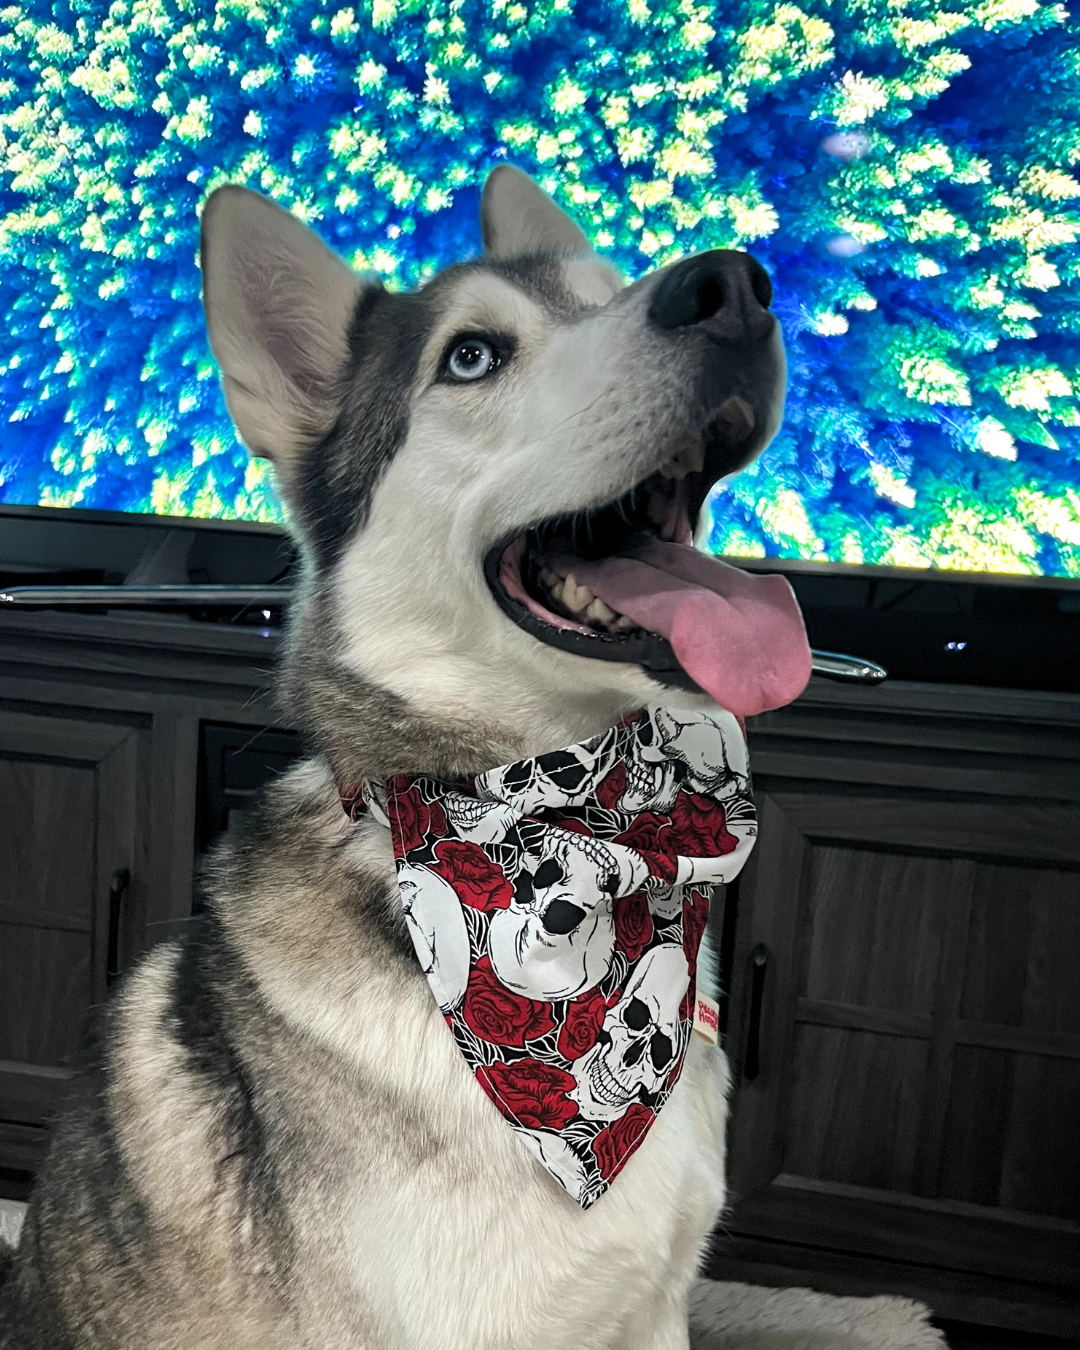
x,y
872,572
51,545
806,567
91,516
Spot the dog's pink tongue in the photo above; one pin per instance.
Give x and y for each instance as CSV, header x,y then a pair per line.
x,y
740,637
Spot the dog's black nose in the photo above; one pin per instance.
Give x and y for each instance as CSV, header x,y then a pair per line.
x,y
726,292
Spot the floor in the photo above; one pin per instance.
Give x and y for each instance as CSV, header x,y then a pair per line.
x,y
965,1336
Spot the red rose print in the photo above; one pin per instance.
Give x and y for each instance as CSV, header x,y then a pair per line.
x,y
584,1017
643,833
695,913
614,1144
478,881
497,1014
609,792
699,828
535,1094
633,925
647,835
413,817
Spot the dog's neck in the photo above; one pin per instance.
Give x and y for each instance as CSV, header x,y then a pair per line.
x,y
365,731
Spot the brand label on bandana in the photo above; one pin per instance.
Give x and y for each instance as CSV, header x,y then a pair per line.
x,y
707,1019
557,906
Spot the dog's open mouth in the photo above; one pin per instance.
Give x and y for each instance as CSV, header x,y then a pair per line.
x,y
624,582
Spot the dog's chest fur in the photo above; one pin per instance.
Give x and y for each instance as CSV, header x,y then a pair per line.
x,y
467,1242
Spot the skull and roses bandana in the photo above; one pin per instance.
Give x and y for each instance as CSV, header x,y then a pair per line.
x,y
557,906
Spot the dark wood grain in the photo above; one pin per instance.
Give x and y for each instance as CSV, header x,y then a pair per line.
x,y
22,1151
901,767
1023,960
47,842
956,905
1043,832
883,951
170,839
854,1108
852,1016
119,806
45,994
69,796
881,1223
99,733
31,1092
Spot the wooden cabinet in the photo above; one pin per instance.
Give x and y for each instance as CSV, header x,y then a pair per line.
x,y
903,950
904,1017
101,721
69,806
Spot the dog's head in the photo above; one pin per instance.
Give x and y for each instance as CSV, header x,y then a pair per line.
x,y
489,473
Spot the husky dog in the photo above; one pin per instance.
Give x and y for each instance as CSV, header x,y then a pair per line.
x,y
278,1144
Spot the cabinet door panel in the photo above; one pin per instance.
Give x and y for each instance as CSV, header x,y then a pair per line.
x,y
854,1113
47,843
1011,1132
1022,966
882,952
919,1065
68,797
45,994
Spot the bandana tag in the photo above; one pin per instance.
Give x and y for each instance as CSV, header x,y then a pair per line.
x,y
707,1019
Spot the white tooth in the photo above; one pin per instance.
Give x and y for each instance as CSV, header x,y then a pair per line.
x,y
623,624
548,577
557,591
575,597
600,612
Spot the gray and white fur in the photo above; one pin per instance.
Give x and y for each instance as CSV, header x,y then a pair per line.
x,y
277,1143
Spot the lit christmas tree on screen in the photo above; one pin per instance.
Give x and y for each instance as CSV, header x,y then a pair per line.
x,y
905,171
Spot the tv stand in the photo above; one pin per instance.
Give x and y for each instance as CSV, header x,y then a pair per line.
x,y
910,1124
270,600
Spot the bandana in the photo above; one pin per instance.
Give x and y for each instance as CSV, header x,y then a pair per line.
x,y
557,906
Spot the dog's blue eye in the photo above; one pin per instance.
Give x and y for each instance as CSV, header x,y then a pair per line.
x,y
471,359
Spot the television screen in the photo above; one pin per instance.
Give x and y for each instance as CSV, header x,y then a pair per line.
x,y
905,169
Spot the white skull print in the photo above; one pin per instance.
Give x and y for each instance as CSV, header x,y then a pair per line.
x,y
561,778
557,937
641,1037
674,748
665,902
481,822
438,931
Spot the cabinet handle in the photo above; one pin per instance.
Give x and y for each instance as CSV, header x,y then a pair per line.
x,y
759,960
121,879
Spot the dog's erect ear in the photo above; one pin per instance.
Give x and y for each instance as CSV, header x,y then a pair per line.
x,y
518,218
278,306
